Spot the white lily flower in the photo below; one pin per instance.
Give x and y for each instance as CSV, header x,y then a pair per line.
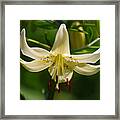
x,y
60,62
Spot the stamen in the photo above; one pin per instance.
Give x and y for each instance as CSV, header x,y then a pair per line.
x,y
67,81
49,84
56,79
45,59
68,84
57,85
69,87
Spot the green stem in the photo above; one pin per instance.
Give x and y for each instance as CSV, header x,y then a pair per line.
x,y
93,42
41,44
87,46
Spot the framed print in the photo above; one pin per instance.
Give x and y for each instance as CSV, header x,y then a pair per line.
x,y
60,60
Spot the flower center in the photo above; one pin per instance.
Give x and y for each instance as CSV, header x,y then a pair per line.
x,y
59,63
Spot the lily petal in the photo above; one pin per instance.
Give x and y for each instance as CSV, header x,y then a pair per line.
x,y
34,52
53,71
68,76
61,44
84,58
63,78
40,51
87,69
35,65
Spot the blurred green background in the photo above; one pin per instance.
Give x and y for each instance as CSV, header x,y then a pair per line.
x,y
41,33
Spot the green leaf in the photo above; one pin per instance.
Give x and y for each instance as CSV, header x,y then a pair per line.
x,y
77,30
46,24
86,50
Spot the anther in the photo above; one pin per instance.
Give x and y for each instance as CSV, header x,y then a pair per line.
x,y
67,81
68,84
57,85
49,84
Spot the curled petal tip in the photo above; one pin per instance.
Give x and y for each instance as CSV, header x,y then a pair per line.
x,y
63,25
23,34
23,31
61,44
97,51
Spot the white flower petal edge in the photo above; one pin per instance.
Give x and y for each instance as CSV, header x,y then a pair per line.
x,y
35,52
61,44
87,69
36,65
84,58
